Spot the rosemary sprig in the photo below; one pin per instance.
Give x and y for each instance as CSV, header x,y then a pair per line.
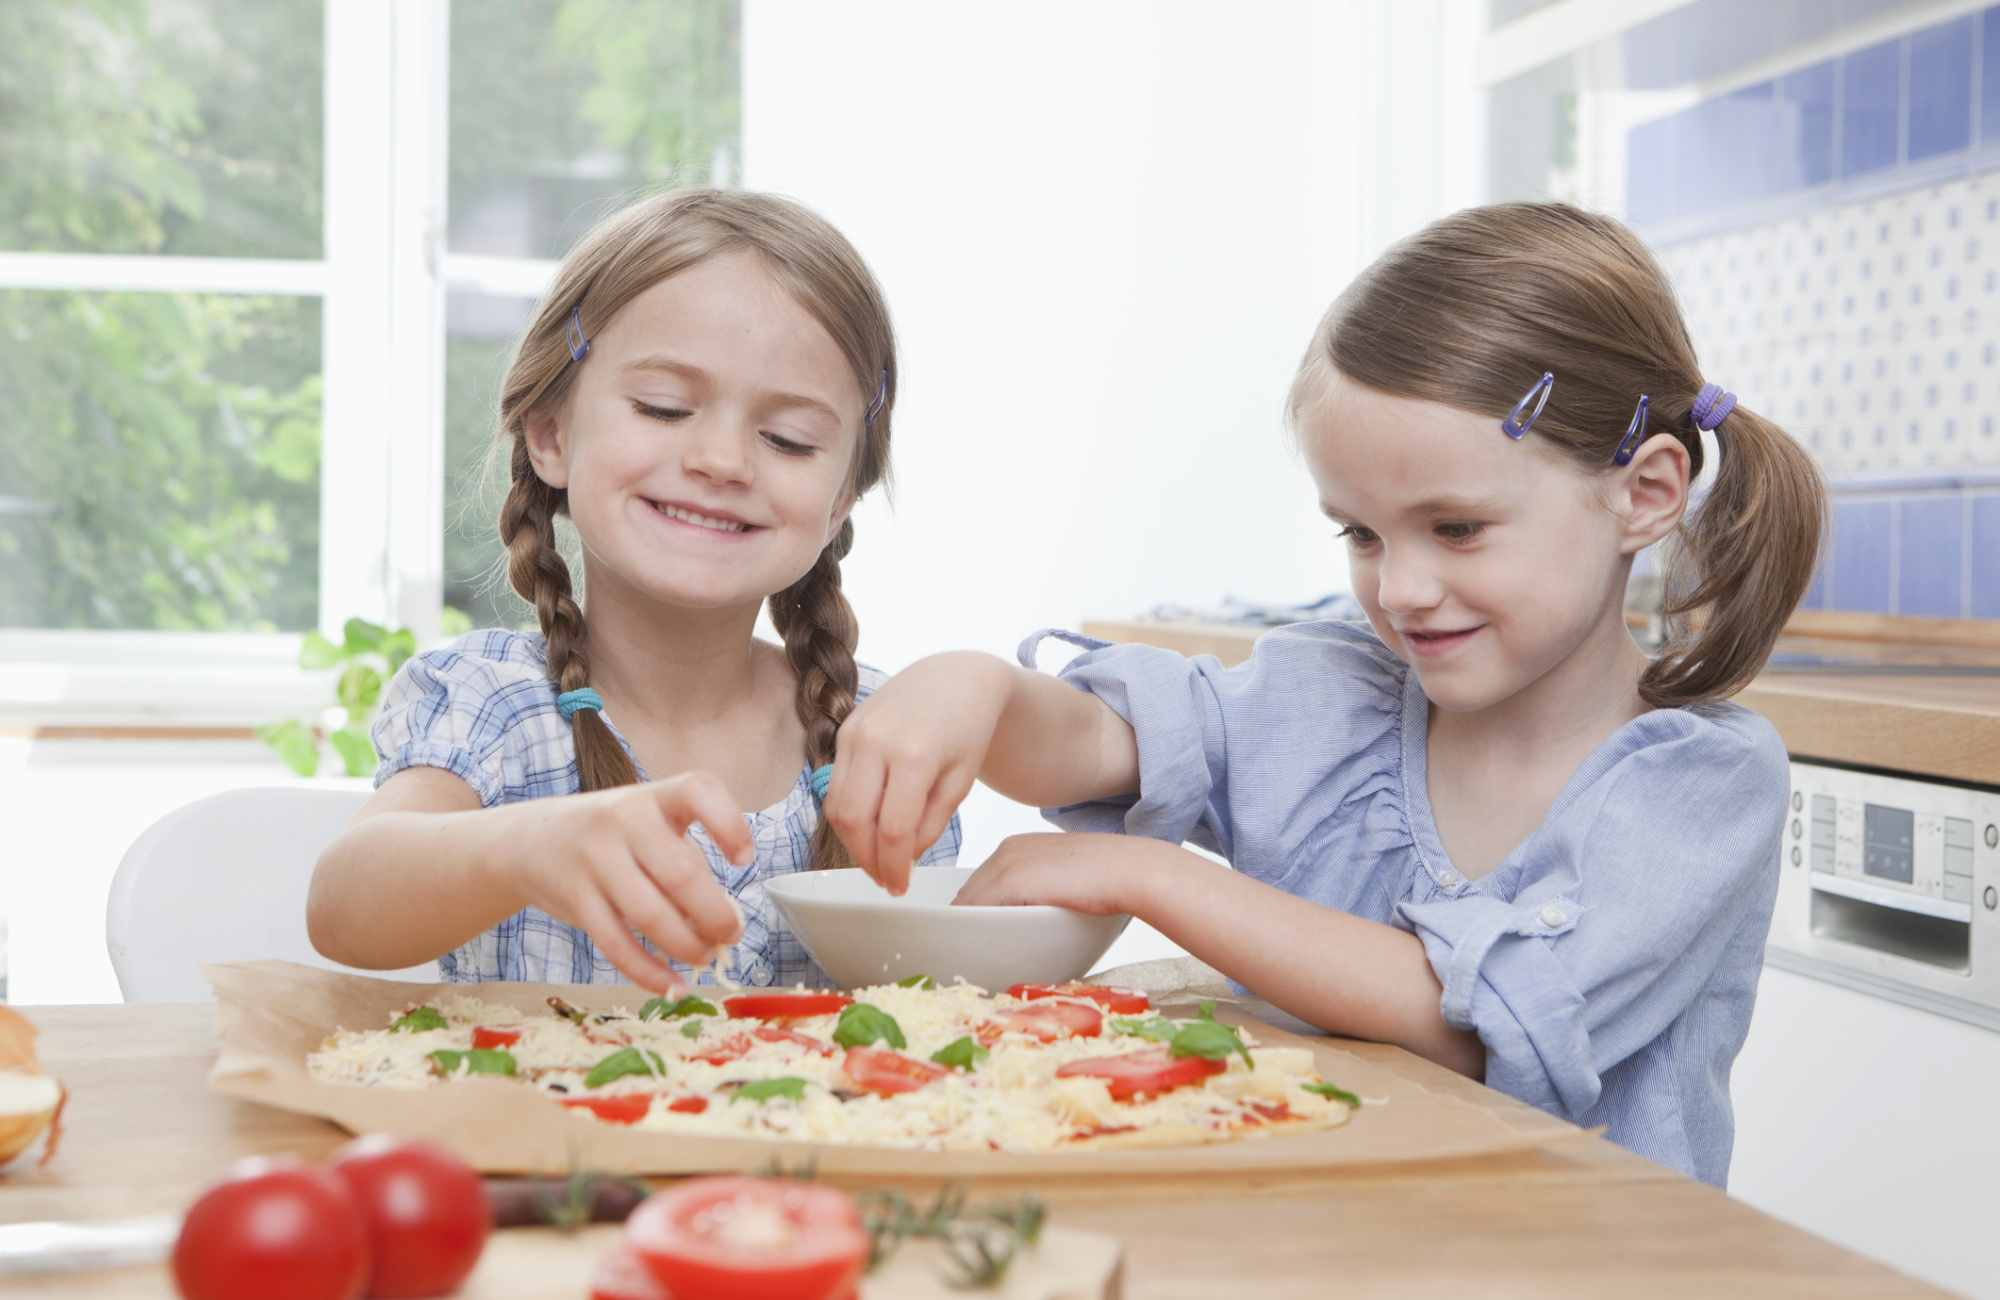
x,y
979,1244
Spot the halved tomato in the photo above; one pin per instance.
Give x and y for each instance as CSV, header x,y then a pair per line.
x,y
688,1105
1153,1070
888,1073
777,1004
483,1037
625,1108
1046,1020
1125,1002
735,1238
770,1034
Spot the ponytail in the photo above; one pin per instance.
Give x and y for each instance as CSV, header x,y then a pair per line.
x,y
1742,562
820,635
537,570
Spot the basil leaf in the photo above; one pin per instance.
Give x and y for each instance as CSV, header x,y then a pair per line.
x,y
862,1024
1208,1038
624,1061
480,1060
960,1054
1158,1028
762,1090
1207,1011
1336,1093
419,1020
692,1029
917,982
661,1009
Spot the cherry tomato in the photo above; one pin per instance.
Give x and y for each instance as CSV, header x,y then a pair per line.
x,y
1047,1021
622,1275
780,1003
688,1105
625,1108
425,1210
490,1038
1153,1070
1126,1002
734,1238
274,1226
888,1073
723,1051
768,1034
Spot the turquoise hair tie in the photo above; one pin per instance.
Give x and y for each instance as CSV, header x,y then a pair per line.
x,y
820,776
570,701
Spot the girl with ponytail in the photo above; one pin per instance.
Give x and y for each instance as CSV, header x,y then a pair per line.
x,y
704,393
1483,824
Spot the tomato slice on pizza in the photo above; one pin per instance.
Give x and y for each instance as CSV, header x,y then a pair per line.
x,y
1045,1020
780,1004
1126,1002
1150,1071
887,1073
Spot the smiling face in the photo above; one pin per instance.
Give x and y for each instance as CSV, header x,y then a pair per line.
x,y
708,442
1484,563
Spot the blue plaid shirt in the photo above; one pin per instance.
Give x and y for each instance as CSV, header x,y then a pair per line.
x,y
484,709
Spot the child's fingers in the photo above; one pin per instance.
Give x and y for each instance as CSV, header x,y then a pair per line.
x,y
654,915
608,931
946,796
699,797
676,874
896,825
853,797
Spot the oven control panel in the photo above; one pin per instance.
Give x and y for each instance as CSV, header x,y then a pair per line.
x,y
1891,884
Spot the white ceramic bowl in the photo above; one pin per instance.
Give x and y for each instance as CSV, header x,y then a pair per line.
x,y
861,936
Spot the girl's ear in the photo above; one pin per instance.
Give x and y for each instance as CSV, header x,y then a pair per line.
x,y
548,449
1651,493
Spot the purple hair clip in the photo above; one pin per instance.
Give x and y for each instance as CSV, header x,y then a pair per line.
x,y
1635,433
875,407
579,346
1712,406
1517,428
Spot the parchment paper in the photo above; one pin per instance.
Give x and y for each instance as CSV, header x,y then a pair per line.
x,y
272,1014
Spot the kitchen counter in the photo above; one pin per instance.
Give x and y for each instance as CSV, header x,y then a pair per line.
x,y
1582,1218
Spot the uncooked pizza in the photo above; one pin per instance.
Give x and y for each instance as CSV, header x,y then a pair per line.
x,y
948,1068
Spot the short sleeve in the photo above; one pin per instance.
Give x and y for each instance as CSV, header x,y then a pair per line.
x,y
1627,908
482,709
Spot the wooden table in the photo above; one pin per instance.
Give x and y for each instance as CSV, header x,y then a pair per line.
x,y
143,1134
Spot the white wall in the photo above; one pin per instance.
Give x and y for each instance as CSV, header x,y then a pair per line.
x,y
1106,232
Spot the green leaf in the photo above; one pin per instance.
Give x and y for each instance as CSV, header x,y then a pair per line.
x,y
355,750
480,1060
419,1020
916,982
294,744
661,1009
624,1061
960,1054
762,1090
317,652
1158,1028
1337,1093
692,1029
363,637
453,622
1208,1038
360,687
398,646
862,1024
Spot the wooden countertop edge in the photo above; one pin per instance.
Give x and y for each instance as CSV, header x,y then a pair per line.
x,y
1838,721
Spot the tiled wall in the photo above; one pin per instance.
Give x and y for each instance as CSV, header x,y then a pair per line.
x,y
1863,315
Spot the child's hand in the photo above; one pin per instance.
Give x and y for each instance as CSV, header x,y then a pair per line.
x,y
1086,872
907,757
617,860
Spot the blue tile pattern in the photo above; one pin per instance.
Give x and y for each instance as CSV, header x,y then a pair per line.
x,y
1929,535
1871,91
1861,570
1941,89
1985,594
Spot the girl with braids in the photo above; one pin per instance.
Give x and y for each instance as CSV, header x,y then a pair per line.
x,y
704,393
1483,824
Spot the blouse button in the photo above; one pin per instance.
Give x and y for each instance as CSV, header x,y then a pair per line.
x,y
1552,916
1450,880
760,975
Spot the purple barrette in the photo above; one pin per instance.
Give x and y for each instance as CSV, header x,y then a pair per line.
x,y
1635,433
579,346
875,407
1513,426
1712,406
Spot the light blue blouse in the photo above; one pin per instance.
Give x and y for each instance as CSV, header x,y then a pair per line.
x,y
1609,963
483,708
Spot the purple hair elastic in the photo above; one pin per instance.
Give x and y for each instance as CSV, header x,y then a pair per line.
x,y
875,407
1712,406
1516,428
579,346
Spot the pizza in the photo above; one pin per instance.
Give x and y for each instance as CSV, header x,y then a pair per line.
x,y
911,1065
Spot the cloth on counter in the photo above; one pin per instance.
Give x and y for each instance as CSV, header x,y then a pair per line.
x,y
484,709
1609,963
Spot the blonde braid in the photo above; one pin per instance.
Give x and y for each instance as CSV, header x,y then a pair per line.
x,y
820,634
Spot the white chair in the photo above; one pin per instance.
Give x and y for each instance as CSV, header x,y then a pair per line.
x,y
224,879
